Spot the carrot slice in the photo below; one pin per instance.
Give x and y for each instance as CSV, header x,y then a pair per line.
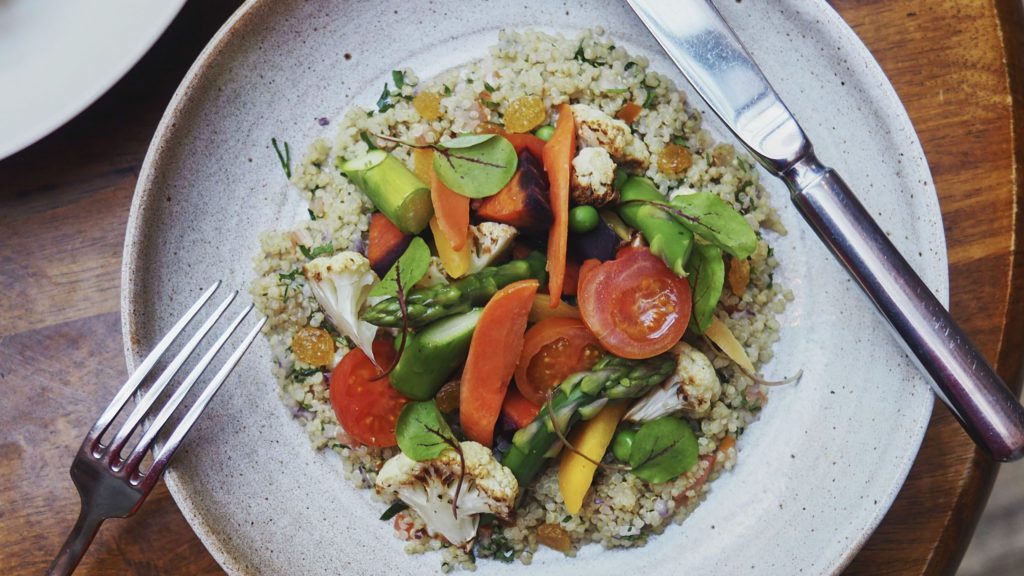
x,y
558,153
493,353
452,212
518,409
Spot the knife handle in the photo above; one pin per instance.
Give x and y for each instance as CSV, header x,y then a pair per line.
x,y
961,377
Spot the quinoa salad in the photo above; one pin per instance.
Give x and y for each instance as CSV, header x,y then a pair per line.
x,y
530,302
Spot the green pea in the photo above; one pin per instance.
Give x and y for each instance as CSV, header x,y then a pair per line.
x,y
545,132
583,219
622,444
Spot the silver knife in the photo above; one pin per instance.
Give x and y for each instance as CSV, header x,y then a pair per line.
x,y
708,53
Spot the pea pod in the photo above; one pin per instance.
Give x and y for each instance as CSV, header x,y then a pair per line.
x,y
667,238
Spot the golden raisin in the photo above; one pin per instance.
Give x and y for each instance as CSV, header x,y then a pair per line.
x,y
674,160
422,163
739,276
447,397
524,114
555,537
427,105
313,346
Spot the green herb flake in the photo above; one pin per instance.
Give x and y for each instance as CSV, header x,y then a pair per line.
x,y
488,87
301,374
629,65
649,99
365,137
287,280
580,55
446,90
312,215
393,510
413,264
384,103
316,252
617,91
398,77
285,159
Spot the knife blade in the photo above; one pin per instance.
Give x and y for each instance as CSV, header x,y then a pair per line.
x,y
716,64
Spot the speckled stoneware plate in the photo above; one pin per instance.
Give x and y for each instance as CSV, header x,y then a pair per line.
x,y
815,474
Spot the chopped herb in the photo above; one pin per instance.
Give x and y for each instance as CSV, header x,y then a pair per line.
x,y
678,141
490,104
285,159
446,90
649,99
384,103
393,510
469,80
632,537
312,215
365,137
300,374
630,65
617,91
567,518
488,87
399,78
288,279
581,56
318,251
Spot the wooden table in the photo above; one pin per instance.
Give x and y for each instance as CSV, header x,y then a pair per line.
x,y
64,204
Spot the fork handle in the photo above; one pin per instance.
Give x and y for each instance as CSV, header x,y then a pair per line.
x,y
76,544
959,373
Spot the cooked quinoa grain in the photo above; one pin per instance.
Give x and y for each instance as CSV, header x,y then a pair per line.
x,y
531,67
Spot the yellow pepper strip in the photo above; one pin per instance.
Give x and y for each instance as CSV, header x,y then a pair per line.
x,y
542,310
422,164
575,473
720,334
456,262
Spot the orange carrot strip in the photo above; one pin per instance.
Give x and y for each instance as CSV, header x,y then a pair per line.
x,y
493,354
558,153
452,212
629,112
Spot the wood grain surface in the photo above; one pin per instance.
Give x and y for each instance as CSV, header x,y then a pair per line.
x,y
64,205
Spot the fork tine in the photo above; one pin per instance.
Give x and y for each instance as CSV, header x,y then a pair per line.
x,y
129,387
167,451
138,453
139,411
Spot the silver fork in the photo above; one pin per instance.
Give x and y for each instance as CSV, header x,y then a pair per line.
x,y
112,485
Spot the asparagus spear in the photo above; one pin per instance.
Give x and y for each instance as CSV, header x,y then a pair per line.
x,y
425,305
580,397
668,239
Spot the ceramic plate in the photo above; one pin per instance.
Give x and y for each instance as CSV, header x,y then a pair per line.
x,y
815,474
58,57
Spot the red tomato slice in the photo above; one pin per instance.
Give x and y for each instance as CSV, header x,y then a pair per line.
x,y
634,305
554,348
367,409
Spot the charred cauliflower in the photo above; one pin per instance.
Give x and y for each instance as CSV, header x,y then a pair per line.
x,y
593,174
691,390
595,128
429,487
341,284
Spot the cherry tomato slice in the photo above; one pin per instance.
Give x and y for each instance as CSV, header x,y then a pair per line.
x,y
553,349
367,409
634,305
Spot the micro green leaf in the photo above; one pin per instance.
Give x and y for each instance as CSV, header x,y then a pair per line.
x,y
713,219
384,103
422,432
476,165
663,450
399,79
285,159
413,264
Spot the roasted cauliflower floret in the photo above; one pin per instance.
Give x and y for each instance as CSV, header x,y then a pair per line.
x,y
593,173
595,128
489,241
436,274
341,284
428,487
691,390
